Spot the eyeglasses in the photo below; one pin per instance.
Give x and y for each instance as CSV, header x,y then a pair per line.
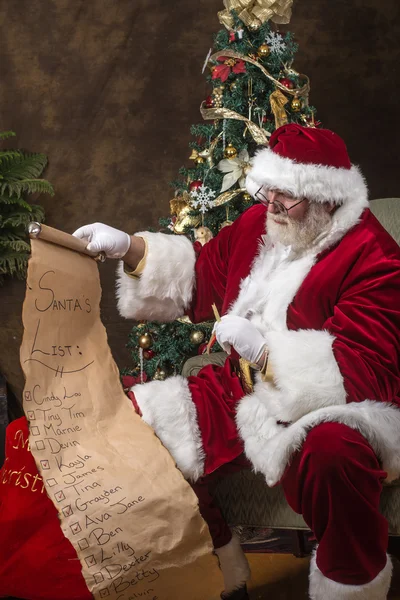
x,y
281,208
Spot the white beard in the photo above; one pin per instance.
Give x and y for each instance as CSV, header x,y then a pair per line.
x,y
300,235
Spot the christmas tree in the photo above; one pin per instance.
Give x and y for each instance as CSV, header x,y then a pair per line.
x,y
254,89
19,177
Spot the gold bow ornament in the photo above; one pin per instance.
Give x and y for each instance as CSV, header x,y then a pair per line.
x,y
253,13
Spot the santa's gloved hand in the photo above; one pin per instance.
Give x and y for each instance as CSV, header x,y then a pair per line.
x,y
242,335
102,238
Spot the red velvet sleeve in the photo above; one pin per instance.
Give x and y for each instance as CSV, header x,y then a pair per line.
x,y
212,267
366,325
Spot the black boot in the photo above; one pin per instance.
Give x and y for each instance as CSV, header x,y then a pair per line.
x,y
240,594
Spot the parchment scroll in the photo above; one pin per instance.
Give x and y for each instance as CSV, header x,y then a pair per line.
x,y
127,510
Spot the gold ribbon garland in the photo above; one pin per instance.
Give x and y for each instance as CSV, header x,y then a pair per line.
x,y
277,98
253,13
259,135
303,91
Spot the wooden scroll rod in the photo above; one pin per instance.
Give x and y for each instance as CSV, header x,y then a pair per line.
x,y
55,236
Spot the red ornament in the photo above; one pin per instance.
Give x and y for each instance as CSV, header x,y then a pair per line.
x,y
232,36
209,102
195,185
147,354
287,82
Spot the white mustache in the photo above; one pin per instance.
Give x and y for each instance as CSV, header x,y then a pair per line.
x,y
280,218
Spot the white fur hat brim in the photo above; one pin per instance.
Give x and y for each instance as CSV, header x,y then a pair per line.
x,y
318,183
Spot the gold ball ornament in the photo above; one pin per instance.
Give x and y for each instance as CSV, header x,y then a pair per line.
x,y
263,51
160,375
230,151
246,197
145,341
296,104
196,337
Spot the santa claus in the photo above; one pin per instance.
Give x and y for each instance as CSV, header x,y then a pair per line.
x,y
308,286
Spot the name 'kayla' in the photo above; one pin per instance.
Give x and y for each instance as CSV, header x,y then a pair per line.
x,y
79,463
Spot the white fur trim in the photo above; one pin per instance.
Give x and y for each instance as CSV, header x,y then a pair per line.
x,y
270,446
315,182
165,288
307,379
168,408
234,565
306,373
273,282
322,588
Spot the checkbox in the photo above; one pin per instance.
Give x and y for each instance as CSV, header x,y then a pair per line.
x,y
75,528
67,511
90,560
40,445
60,496
98,577
27,397
104,593
35,430
83,544
31,415
45,464
51,482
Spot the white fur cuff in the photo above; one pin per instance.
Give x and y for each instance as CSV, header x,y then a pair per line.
x,y
322,588
305,371
168,408
164,290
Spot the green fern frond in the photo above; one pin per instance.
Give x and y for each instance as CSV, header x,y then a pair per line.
x,y
4,135
4,199
30,186
37,213
7,235
14,263
20,174
9,155
13,246
24,166
16,219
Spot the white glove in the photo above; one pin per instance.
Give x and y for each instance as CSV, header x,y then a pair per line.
x,y
242,335
102,238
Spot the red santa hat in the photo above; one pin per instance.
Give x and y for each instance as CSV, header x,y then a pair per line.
x,y
307,163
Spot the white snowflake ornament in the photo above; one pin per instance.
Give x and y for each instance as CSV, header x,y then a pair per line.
x,y
202,197
275,42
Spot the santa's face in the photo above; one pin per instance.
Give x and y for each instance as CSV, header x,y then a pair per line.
x,y
295,222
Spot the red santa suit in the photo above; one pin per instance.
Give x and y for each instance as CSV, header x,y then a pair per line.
x,y
330,317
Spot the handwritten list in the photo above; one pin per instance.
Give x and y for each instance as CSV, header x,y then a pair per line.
x,y
131,517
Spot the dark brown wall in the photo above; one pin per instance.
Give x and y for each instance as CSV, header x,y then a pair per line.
x,y
109,89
